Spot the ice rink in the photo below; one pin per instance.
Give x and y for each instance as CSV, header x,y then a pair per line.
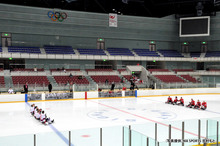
x,y
90,115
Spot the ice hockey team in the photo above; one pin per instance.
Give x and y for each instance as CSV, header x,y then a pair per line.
x,y
191,104
40,115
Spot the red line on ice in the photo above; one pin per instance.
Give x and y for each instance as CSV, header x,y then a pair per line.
x,y
145,118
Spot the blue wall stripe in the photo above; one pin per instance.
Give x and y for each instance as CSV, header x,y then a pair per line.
x,y
26,98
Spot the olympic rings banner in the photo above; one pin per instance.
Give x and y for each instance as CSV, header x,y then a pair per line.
x,y
57,16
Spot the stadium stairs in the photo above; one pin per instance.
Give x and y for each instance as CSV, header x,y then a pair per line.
x,y
76,51
179,76
91,81
134,53
4,49
8,79
42,51
161,55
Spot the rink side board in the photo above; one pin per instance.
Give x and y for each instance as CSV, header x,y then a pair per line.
x,y
16,98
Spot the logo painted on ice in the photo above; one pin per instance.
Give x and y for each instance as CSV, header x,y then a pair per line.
x,y
112,115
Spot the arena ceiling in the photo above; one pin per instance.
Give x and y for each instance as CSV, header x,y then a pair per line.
x,y
145,8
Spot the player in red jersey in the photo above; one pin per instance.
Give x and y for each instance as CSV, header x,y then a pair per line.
x,y
175,100
191,104
198,105
181,101
169,100
204,105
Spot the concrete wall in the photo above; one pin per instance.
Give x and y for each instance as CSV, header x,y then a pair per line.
x,y
180,65
31,27
77,64
213,40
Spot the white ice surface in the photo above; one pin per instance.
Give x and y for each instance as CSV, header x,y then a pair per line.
x,y
74,115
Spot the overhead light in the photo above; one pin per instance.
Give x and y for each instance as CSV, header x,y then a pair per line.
x,y
125,1
69,1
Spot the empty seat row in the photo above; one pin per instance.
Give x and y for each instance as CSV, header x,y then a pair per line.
x,y
73,80
212,54
158,70
91,51
102,79
182,70
189,78
170,78
120,52
30,80
146,52
170,53
17,49
108,70
58,49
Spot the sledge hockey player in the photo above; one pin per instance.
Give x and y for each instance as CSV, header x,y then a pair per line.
x,y
47,121
44,119
169,100
181,101
191,104
37,115
204,105
32,109
198,105
42,116
175,100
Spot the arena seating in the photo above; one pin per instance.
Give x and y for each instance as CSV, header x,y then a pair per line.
x,y
212,54
170,53
58,49
127,77
39,80
183,70
189,78
2,80
27,69
73,79
158,70
102,79
121,70
214,70
169,78
98,70
16,49
91,51
195,54
120,52
146,52
67,70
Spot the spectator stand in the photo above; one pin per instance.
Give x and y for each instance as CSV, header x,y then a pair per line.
x,y
91,51
59,49
20,49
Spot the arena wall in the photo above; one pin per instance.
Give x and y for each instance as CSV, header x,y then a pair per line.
x,y
213,40
31,26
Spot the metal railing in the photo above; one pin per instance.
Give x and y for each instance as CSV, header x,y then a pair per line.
x,y
174,133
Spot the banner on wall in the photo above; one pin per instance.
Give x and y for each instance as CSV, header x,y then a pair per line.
x,y
113,20
52,96
34,97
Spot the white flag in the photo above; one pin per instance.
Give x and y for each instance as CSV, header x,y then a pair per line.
x,y
113,20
